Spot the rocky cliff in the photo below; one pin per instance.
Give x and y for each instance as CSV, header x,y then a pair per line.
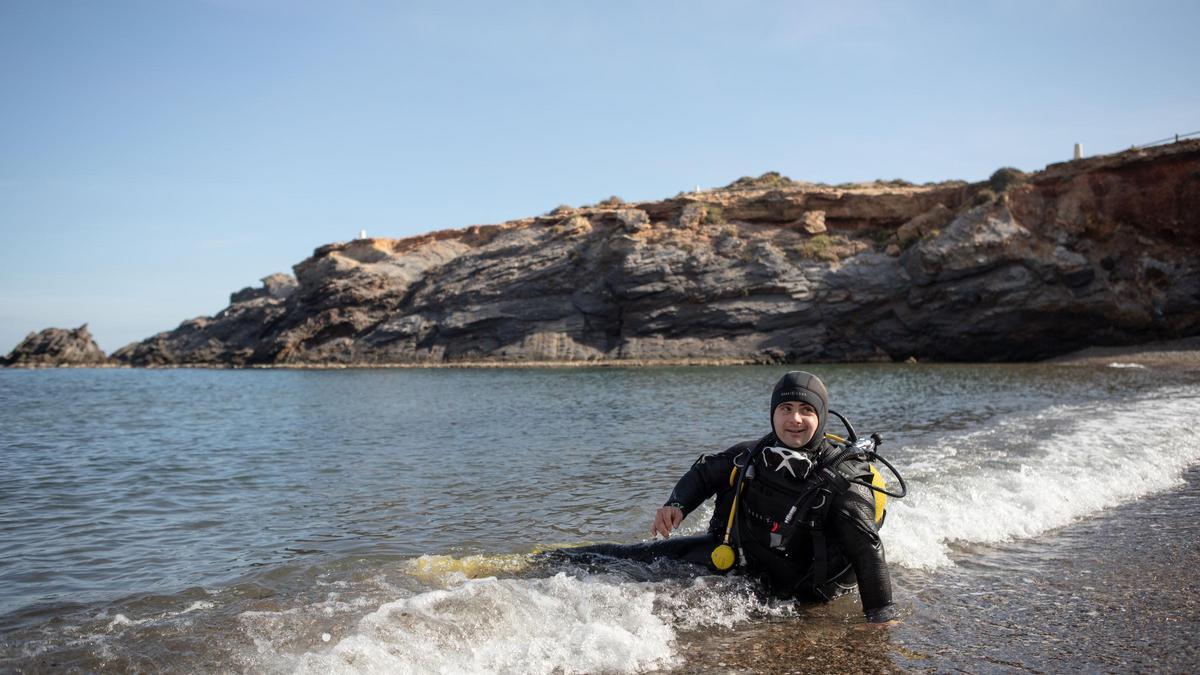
x,y
57,347
1101,251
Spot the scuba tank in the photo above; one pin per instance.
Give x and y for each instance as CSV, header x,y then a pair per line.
x,y
868,448
779,509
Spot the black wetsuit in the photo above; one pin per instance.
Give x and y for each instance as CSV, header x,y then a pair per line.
x,y
841,549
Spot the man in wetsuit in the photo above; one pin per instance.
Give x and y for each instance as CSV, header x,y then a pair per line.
x,y
830,543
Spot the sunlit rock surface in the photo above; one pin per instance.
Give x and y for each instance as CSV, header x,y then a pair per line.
x,y
54,347
1101,251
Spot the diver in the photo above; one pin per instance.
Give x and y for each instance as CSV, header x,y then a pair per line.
x,y
792,508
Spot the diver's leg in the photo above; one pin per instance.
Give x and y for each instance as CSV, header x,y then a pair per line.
x,y
842,583
694,549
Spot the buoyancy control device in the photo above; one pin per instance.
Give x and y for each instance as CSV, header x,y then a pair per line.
x,y
770,510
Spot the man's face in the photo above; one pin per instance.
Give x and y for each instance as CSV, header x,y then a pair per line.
x,y
794,423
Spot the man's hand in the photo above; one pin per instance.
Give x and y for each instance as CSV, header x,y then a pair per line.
x,y
667,519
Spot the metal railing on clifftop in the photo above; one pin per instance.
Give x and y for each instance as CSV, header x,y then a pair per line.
x,y
1172,139
1175,139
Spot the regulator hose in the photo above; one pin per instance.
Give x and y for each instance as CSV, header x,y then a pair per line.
x,y
872,456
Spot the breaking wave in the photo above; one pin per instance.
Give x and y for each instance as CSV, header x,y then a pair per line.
x,y
561,623
1032,473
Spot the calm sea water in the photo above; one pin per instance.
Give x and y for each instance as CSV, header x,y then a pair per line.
x,y
381,520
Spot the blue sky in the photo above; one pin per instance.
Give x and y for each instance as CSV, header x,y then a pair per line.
x,y
157,155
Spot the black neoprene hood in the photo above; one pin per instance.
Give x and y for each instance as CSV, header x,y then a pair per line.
x,y
805,388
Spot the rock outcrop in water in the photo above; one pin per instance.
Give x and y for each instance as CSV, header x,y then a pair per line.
x,y
57,347
1097,251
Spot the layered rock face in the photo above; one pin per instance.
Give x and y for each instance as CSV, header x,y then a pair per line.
x,y
57,347
1099,251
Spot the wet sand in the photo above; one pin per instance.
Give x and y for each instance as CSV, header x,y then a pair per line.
x,y
1183,354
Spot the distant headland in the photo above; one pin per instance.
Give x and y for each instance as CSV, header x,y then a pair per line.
x,y
1103,251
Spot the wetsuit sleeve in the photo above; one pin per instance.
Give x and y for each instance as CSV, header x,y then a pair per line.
x,y
708,475
854,527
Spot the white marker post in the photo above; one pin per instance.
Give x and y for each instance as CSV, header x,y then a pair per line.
x,y
1079,151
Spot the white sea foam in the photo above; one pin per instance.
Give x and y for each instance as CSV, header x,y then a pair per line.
x,y
715,601
561,623
1029,474
1116,364
197,606
121,621
697,521
557,624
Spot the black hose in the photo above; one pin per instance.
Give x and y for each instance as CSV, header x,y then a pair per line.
x,y
874,456
850,435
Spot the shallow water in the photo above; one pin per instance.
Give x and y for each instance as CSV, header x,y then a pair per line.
x,y
368,520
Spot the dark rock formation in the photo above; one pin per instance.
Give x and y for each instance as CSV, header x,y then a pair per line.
x,y
1097,251
57,347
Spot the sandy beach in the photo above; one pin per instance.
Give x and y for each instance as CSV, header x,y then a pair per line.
x,y
1182,354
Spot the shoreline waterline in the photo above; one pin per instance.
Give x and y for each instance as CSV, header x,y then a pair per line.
x,y
1183,353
